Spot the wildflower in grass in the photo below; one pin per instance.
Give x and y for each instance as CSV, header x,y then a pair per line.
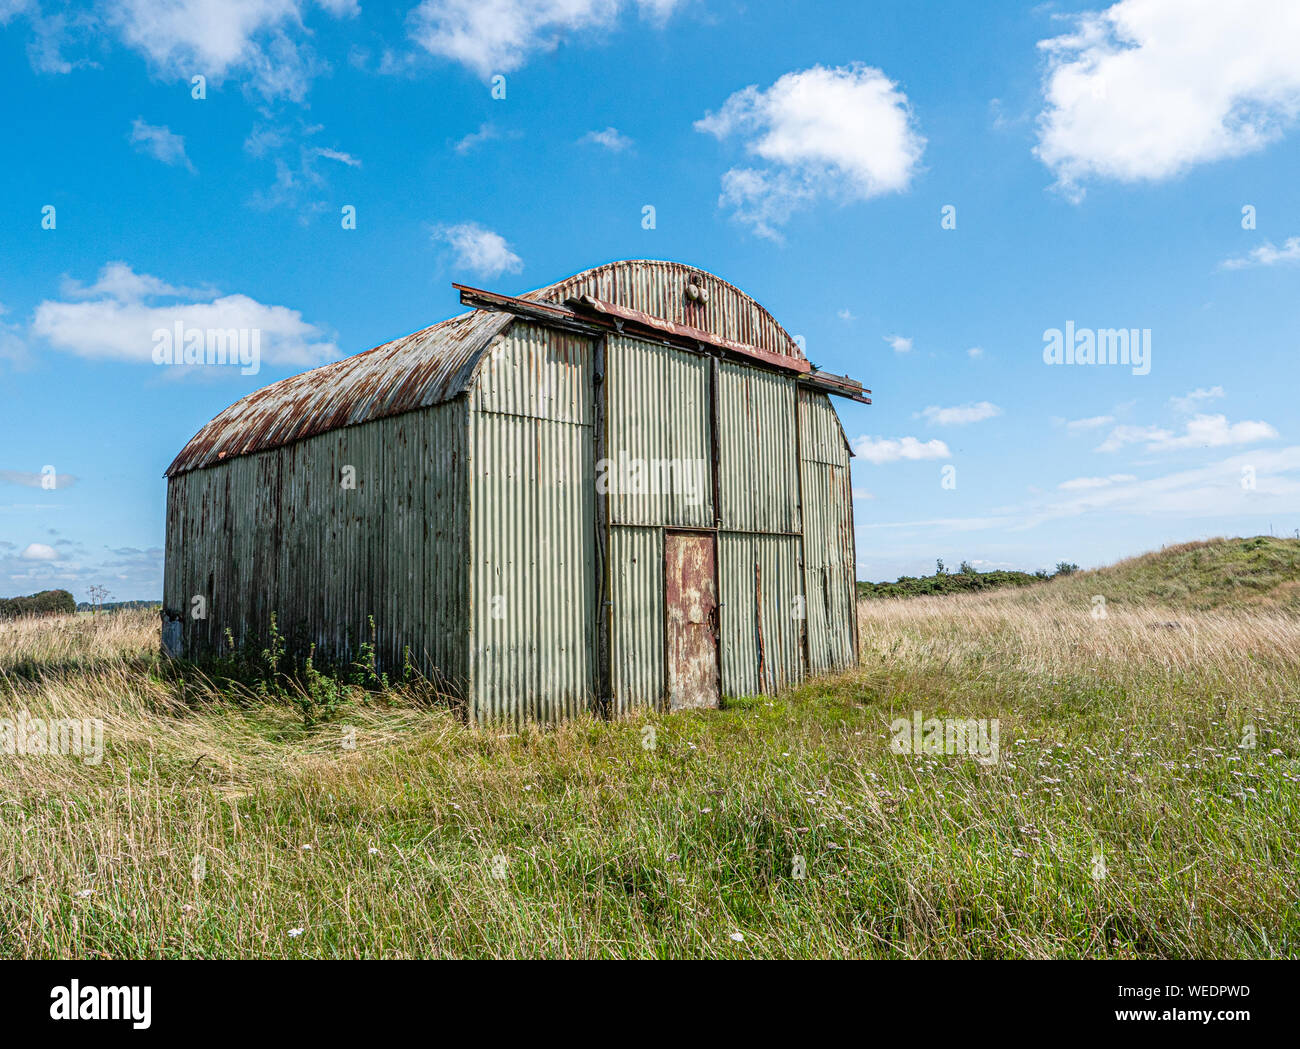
x,y
85,894
373,851
739,937
295,933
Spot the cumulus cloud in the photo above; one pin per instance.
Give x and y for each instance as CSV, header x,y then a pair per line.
x,y
116,318
899,343
161,143
263,42
960,414
1191,401
843,134
892,449
611,138
498,36
39,552
1266,254
1146,89
975,352
1201,431
479,250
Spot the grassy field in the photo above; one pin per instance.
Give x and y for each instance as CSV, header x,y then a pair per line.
x,y
1123,819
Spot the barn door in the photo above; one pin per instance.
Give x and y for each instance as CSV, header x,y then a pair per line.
x,y
691,615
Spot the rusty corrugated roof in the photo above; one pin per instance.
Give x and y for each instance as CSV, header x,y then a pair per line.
x,y
416,371
438,363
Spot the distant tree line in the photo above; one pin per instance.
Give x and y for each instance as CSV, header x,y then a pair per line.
x,y
964,580
112,606
47,602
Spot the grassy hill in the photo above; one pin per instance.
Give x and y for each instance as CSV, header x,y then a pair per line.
x,y
1259,572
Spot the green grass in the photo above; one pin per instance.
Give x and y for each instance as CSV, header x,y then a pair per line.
x,y
1119,737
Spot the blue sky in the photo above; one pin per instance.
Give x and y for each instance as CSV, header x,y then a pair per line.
x,y
1098,160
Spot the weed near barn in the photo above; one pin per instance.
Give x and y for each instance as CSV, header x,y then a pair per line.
x,y
1125,818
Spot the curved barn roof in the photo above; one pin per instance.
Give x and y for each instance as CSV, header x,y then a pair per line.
x,y
438,363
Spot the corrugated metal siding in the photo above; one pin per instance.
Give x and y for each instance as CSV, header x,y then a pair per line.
x,y
759,475
828,534
658,413
762,614
276,532
532,507
659,288
821,436
637,618
537,372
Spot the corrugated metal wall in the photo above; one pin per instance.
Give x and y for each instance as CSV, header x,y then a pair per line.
x,y
278,532
829,568
658,420
762,614
759,483
637,619
531,499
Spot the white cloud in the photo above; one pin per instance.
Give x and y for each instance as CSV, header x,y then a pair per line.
x,y
261,41
846,314
960,414
1190,402
844,134
36,480
1094,422
337,154
1149,88
611,138
975,352
1266,255
479,250
1079,483
39,552
497,36
114,319
1201,431
899,343
161,143
889,449
485,133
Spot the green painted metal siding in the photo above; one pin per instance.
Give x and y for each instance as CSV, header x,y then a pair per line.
x,y
658,422
759,474
762,615
829,568
277,532
532,568
637,618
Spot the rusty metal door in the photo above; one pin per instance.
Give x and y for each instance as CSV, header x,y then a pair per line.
x,y
691,619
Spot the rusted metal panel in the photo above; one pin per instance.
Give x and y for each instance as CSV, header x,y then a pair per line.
x,y
763,612
532,570
660,289
691,620
759,470
828,534
637,657
657,467
420,370
326,533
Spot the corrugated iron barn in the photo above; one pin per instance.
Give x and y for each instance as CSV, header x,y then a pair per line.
x,y
625,490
